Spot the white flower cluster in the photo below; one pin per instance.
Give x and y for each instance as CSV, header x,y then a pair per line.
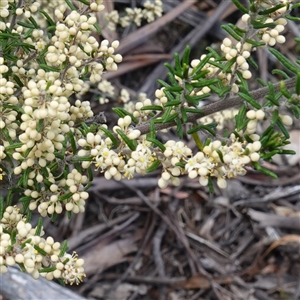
x,y
222,161
4,8
140,160
241,51
124,126
28,10
73,43
220,117
44,113
108,90
116,163
271,36
151,11
34,252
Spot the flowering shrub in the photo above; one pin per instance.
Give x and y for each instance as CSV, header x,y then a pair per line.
x,y
52,52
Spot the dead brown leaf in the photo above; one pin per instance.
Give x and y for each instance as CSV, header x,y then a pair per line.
x,y
98,260
199,281
290,238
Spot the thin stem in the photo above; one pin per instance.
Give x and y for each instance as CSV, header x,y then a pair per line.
x,y
223,104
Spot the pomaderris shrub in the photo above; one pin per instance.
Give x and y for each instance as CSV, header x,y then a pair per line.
x,y
52,52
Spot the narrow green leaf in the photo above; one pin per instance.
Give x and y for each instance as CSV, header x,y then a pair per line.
x,y
9,197
183,114
34,23
50,21
49,68
272,9
25,177
152,133
172,103
292,18
227,67
173,81
201,127
98,29
197,140
289,65
186,55
81,159
26,25
259,168
282,128
259,25
4,131
60,281
69,3
152,107
242,8
220,155
121,112
47,270
275,117
213,52
153,166
13,146
201,64
232,33
40,250
170,96
179,130
193,110
178,67
210,185
240,118
13,236
287,152
298,84
39,227
269,155
40,125
63,248
241,32
281,73
72,142
17,80
205,82
1,207
171,118
84,2
170,68
266,136
271,96
65,197
295,5
157,143
224,91
200,74
174,89
252,62
220,65
261,82
250,100
130,143
195,99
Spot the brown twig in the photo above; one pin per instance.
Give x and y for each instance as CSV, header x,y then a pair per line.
x,y
218,106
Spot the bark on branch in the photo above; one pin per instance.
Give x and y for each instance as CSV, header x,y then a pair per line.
x,y
209,109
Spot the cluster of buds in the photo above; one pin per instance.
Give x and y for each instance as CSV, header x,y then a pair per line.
x,y
151,11
38,256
